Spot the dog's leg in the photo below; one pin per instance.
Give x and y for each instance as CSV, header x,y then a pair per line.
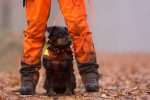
x,y
71,85
73,82
50,92
51,88
69,89
48,84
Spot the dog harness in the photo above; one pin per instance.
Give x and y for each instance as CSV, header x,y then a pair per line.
x,y
58,57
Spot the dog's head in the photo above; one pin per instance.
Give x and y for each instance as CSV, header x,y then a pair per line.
x,y
59,36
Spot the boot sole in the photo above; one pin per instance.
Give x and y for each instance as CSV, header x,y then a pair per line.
x,y
26,93
92,88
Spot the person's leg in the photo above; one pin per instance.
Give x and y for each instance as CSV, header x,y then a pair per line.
x,y
37,12
75,16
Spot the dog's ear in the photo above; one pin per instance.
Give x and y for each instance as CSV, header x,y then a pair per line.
x,y
49,29
66,29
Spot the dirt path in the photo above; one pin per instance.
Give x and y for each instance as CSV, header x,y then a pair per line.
x,y
123,77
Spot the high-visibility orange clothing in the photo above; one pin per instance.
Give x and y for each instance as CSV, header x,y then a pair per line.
x,y
75,15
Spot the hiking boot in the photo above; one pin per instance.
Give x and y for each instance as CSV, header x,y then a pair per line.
x,y
90,76
91,83
27,88
29,78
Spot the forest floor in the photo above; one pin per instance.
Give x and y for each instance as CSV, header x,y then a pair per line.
x,y
123,77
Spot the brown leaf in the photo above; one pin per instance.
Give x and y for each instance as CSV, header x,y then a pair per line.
x,y
103,95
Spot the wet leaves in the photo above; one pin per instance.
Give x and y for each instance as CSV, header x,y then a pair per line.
x,y
123,77
103,95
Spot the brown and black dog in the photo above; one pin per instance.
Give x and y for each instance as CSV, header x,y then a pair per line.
x,y
60,78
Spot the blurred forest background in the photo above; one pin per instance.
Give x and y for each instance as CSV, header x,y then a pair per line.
x,y
121,26
121,35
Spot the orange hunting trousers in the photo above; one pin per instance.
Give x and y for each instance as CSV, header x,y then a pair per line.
x,y
75,15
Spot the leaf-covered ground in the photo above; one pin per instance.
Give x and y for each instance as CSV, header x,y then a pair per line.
x,y
123,77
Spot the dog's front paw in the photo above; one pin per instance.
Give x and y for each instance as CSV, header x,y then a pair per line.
x,y
69,92
51,92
